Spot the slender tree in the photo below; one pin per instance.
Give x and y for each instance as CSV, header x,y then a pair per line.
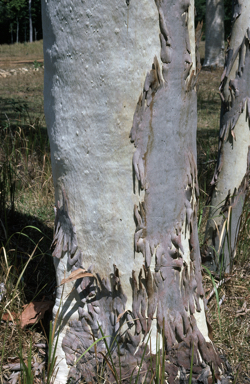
x,y
129,233
30,22
15,10
17,30
230,179
214,47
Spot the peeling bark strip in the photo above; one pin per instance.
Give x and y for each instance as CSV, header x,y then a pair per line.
x,y
166,231
230,180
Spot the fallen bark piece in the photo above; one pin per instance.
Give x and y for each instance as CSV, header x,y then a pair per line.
x,y
221,300
13,366
9,316
243,311
14,378
217,286
41,345
34,312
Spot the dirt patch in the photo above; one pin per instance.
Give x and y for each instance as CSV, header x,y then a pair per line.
x,y
9,64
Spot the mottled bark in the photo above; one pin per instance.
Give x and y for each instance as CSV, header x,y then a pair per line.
x,y
230,179
214,47
134,229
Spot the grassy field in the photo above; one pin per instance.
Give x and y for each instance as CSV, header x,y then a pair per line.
x,y
26,207
17,55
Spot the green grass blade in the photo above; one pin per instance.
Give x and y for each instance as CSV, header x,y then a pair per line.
x,y
95,342
109,353
216,293
138,374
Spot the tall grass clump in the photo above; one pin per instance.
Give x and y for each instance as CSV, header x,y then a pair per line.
x,y
25,170
15,340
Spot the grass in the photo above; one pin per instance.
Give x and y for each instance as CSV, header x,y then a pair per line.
x,y
26,209
26,204
18,55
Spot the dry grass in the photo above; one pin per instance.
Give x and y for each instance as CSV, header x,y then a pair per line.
x,y
17,55
24,145
26,200
24,132
234,338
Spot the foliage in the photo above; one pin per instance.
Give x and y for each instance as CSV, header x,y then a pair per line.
x,y
14,16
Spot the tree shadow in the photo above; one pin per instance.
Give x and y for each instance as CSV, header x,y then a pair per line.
x,y
22,236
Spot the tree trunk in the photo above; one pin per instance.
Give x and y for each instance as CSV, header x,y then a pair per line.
x,y
214,47
30,23
17,30
11,33
133,229
231,174
25,32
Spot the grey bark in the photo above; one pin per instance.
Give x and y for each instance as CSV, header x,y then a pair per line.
x,y
230,180
214,46
108,68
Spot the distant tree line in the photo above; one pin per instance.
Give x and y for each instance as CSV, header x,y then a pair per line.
x,y
20,21
200,6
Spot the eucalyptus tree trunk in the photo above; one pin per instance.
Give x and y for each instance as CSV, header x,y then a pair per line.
x,y
131,231
214,46
230,179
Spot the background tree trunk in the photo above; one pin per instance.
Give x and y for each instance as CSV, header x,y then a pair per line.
x,y
30,23
230,179
214,47
134,229
11,33
17,30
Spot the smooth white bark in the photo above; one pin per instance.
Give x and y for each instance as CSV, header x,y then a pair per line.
x,y
95,68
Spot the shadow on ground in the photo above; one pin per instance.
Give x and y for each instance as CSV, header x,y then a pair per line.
x,y
22,236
